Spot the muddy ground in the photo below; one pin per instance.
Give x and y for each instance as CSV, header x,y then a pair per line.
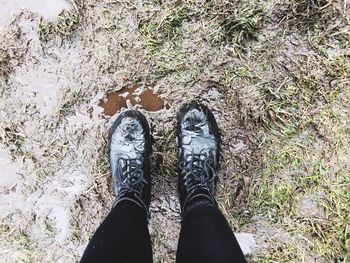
x,y
275,73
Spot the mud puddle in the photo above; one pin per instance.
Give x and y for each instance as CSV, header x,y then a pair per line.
x,y
45,8
136,95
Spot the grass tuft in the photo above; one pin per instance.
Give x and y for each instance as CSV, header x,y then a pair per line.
x,y
166,29
4,60
64,25
308,10
309,14
237,21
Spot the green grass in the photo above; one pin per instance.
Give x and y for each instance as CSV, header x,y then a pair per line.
x,y
306,154
165,29
15,245
297,107
235,21
64,25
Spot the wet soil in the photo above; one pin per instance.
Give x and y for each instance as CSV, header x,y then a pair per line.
x,y
58,187
48,99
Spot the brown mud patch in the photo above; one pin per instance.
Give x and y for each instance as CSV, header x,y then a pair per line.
x,y
135,95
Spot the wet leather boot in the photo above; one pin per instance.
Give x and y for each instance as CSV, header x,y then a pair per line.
x,y
129,155
198,140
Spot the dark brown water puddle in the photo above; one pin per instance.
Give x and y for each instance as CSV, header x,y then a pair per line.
x,y
117,100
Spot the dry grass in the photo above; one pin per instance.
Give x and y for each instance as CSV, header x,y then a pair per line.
x,y
4,68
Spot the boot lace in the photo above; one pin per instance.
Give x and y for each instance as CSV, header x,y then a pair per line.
x,y
133,179
198,171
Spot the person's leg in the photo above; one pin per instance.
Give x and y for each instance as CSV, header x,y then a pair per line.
x,y
206,237
205,234
122,237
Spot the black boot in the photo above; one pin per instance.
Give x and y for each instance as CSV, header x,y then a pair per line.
x,y
199,148
129,155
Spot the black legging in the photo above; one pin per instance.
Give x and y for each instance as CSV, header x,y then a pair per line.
x,y
123,237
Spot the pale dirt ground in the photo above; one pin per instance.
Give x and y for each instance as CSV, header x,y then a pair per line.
x,y
56,188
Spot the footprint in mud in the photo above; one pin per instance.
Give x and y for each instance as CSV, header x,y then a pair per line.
x,y
136,95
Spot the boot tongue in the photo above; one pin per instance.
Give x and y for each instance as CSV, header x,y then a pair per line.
x,y
197,143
